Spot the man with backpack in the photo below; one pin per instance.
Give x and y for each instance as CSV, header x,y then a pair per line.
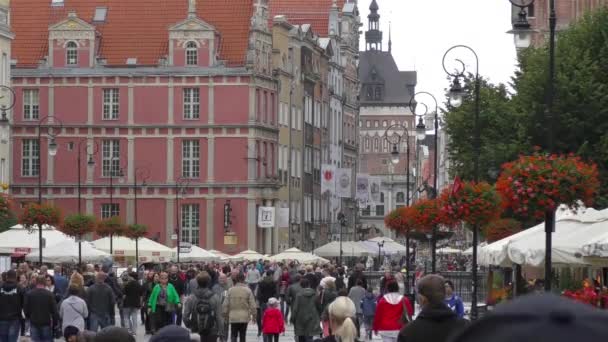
x,y
203,311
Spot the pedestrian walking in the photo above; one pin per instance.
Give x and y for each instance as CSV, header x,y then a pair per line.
x,y
61,282
453,301
393,312
292,292
253,277
368,309
304,314
267,289
12,298
341,319
73,310
151,281
163,303
273,322
40,309
356,294
327,294
239,309
203,311
100,299
131,305
178,280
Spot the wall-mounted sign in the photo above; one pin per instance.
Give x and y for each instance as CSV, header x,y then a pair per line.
x,y
266,217
230,239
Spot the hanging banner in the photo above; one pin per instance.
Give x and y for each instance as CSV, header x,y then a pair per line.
x,y
343,183
374,189
284,218
362,194
328,178
266,217
335,202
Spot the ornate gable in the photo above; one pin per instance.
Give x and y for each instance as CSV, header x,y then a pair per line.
x,y
72,28
75,35
191,31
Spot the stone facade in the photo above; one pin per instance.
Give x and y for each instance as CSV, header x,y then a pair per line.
x,y
7,100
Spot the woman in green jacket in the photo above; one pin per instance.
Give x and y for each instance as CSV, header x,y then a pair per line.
x,y
163,303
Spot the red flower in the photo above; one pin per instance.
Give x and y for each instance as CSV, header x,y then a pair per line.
x,y
474,203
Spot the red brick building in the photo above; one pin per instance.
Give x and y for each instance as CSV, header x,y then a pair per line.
x,y
182,88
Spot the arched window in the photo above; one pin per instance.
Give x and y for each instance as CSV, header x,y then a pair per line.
x,y
384,123
376,144
191,53
71,53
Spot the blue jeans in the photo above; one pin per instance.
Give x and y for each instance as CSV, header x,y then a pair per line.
x,y
41,334
9,330
98,321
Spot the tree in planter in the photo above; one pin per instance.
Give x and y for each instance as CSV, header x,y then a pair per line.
x,y
38,215
110,227
7,216
77,225
136,232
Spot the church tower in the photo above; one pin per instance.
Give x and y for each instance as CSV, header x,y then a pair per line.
x,y
373,36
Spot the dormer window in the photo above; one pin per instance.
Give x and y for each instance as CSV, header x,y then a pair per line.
x,y
378,93
71,53
191,53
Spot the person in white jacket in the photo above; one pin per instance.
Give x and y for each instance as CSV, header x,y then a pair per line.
x,y
73,310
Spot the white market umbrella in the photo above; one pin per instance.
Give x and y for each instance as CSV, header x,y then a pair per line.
x,y
390,247
67,252
18,240
349,248
448,250
296,254
197,254
221,255
149,251
248,255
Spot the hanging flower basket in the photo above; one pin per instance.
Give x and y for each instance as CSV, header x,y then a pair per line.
x,y
40,214
424,215
473,203
533,185
112,226
399,220
500,229
78,225
136,231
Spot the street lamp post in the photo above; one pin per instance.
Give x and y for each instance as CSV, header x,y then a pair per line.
x,y
50,120
342,220
142,173
180,187
395,139
312,239
114,173
421,133
522,32
90,164
456,96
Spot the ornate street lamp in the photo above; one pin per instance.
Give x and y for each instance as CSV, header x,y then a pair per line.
x,y
114,173
142,173
522,33
90,151
457,94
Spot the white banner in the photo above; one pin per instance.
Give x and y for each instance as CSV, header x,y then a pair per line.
x,y
328,178
266,217
283,217
374,189
362,194
344,183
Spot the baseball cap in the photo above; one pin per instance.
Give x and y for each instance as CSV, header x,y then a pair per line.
x,y
538,318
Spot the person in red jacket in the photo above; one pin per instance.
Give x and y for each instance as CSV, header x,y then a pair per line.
x,y
393,312
273,323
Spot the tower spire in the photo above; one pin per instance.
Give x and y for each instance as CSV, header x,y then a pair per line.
x,y
390,43
373,36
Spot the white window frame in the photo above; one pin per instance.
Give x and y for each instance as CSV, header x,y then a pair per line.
x,y
30,157
190,223
71,54
110,158
109,210
191,156
191,54
192,103
31,104
110,103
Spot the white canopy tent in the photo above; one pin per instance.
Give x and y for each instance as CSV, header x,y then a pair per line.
x,y
196,254
248,255
296,254
66,251
469,251
390,247
149,251
222,256
18,240
349,249
448,250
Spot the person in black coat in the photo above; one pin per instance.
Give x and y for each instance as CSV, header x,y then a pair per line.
x,y
133,292
357,273
436,322
267,288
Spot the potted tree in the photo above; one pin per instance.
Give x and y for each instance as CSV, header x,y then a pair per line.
x,y
136,232
110,227
77,225
38,215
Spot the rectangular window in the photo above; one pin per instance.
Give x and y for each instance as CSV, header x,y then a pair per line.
x,y
191,159
30,158
307,160
265,107
110,104
110,210
192,103
110,154
31,104
190,230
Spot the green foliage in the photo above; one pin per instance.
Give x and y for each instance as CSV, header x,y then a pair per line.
x,y
112,226
7,216
136,231
511,126
77,225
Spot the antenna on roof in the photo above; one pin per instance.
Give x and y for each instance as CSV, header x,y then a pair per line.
x,y
390,42
191,8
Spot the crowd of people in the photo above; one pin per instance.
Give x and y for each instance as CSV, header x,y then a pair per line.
x,y
218,302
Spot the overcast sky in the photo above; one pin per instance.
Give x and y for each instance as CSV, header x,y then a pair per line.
x,y
423,30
